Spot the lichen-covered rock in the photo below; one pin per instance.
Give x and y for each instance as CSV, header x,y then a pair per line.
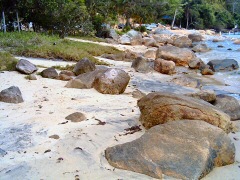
x,y
159,108
186,149
112,81
11,95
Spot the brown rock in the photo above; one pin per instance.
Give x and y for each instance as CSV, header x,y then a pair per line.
x,y
205,70
11,95
76,117
200,48
182,42
181,56
84,66
68,73
195,37
49,73
195,63
64,77
159,108
206,95
187,81
141,65
112,81
186,149
151,53
138,94
164,67
149,42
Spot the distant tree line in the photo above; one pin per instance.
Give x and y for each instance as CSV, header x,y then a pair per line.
x,y
89,16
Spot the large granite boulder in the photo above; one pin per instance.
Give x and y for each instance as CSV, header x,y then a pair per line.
x,y
26,67
223,65
164,66
163,38
141,65
84,66
186,149
182,42
159,108
125,40
181,56
229,105
11,95
148,41
49,73
195,37
200,48
85,81
112,81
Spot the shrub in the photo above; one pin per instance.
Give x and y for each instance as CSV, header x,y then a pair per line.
x,y
7,62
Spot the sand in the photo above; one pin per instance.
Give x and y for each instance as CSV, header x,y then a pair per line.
x,y
79,152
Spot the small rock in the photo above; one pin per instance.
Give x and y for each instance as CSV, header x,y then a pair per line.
x,y
84,66
49,73
164,66
76,117
11,95
26,67
55,136
32,77
138,94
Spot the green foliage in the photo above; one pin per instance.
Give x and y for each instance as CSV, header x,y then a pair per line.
x,y
126,29
51,47
7,62
141,29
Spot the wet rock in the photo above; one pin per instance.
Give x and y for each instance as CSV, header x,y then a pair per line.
x,y
181,56
200,48
205,70
85,81
138,94
141,65
216,40
159,108
223,65
11,95
182,42
187,81
220,46
229,105
195,63
49,73
186,149
25,67
84,66
206,95
112,81
164,66
195,37
76,117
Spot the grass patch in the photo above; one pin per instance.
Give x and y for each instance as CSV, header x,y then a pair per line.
x,y
67,67
37,45
7,62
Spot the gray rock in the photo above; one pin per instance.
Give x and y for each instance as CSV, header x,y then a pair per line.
x,y
84,66
124,39
112,81
147,41
229,105
159,108
76,117
25,67
186,149
138,94
162,31
11,95
2,153
113,34
32,77
85,81
49,73
223,65
141,65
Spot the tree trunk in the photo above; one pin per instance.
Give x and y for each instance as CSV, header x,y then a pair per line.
x,y
187,18
174,17
4,22
18,22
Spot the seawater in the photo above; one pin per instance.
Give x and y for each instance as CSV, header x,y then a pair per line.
x,y
229,50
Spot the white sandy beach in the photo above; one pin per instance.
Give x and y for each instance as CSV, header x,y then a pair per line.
x,y
79,152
